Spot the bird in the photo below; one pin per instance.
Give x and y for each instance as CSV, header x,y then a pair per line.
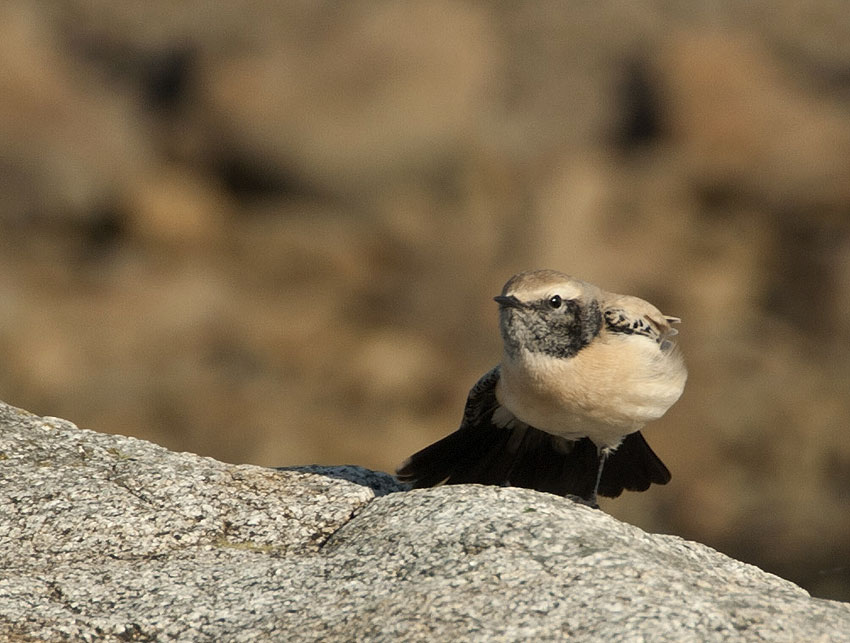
x,y
582,372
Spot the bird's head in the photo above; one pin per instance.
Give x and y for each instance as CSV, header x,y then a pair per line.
x,y
545,311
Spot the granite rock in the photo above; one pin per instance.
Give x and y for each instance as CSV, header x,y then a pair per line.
x,y
104,537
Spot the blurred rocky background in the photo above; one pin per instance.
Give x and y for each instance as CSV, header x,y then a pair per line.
x,y
269,232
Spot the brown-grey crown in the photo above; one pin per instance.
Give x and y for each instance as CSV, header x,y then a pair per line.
x,y
552,325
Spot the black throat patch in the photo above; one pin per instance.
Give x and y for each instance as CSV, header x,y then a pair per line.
x,y
561,332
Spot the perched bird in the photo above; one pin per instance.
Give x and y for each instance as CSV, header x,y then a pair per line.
x,y
582,371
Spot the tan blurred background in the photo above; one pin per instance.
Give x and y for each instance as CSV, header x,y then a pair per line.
x,y
269,232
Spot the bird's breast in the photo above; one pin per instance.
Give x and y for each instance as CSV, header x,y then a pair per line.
x,y
607,390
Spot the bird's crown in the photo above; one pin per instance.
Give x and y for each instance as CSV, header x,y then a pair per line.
x,y
536,285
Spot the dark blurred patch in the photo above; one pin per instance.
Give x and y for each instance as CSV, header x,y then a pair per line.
x,y
820,574
640,104
830,582
228,357
817,572
103,231
718,199
165,76
831,79
802,284
67,239
750,456
836,475
168,77
248,178
840,81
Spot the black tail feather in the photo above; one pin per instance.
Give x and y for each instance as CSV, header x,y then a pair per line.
x,y
633,466
469,455
534,460
550,464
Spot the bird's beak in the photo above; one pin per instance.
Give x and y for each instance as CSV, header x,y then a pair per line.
x,y
507,301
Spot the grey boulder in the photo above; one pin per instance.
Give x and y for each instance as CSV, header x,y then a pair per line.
x,y
104,537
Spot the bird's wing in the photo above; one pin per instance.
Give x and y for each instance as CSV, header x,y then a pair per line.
x,y
634,316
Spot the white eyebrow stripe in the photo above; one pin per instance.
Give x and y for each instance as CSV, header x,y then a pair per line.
x,y
565,290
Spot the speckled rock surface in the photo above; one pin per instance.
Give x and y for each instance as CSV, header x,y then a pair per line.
x,y
109,538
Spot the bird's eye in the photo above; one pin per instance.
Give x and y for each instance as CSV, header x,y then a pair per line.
x,y
555,301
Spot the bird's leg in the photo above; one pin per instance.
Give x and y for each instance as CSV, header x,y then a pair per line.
x,y
603,455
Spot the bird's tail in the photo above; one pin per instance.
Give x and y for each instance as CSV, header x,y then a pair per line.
x,y
633,466
469,455
527,457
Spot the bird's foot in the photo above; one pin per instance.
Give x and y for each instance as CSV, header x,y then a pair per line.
x,y
587,502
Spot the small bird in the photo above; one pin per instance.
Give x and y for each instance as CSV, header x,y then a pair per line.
x,y
582,371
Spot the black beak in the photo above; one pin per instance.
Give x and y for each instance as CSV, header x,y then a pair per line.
x,y
507,302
